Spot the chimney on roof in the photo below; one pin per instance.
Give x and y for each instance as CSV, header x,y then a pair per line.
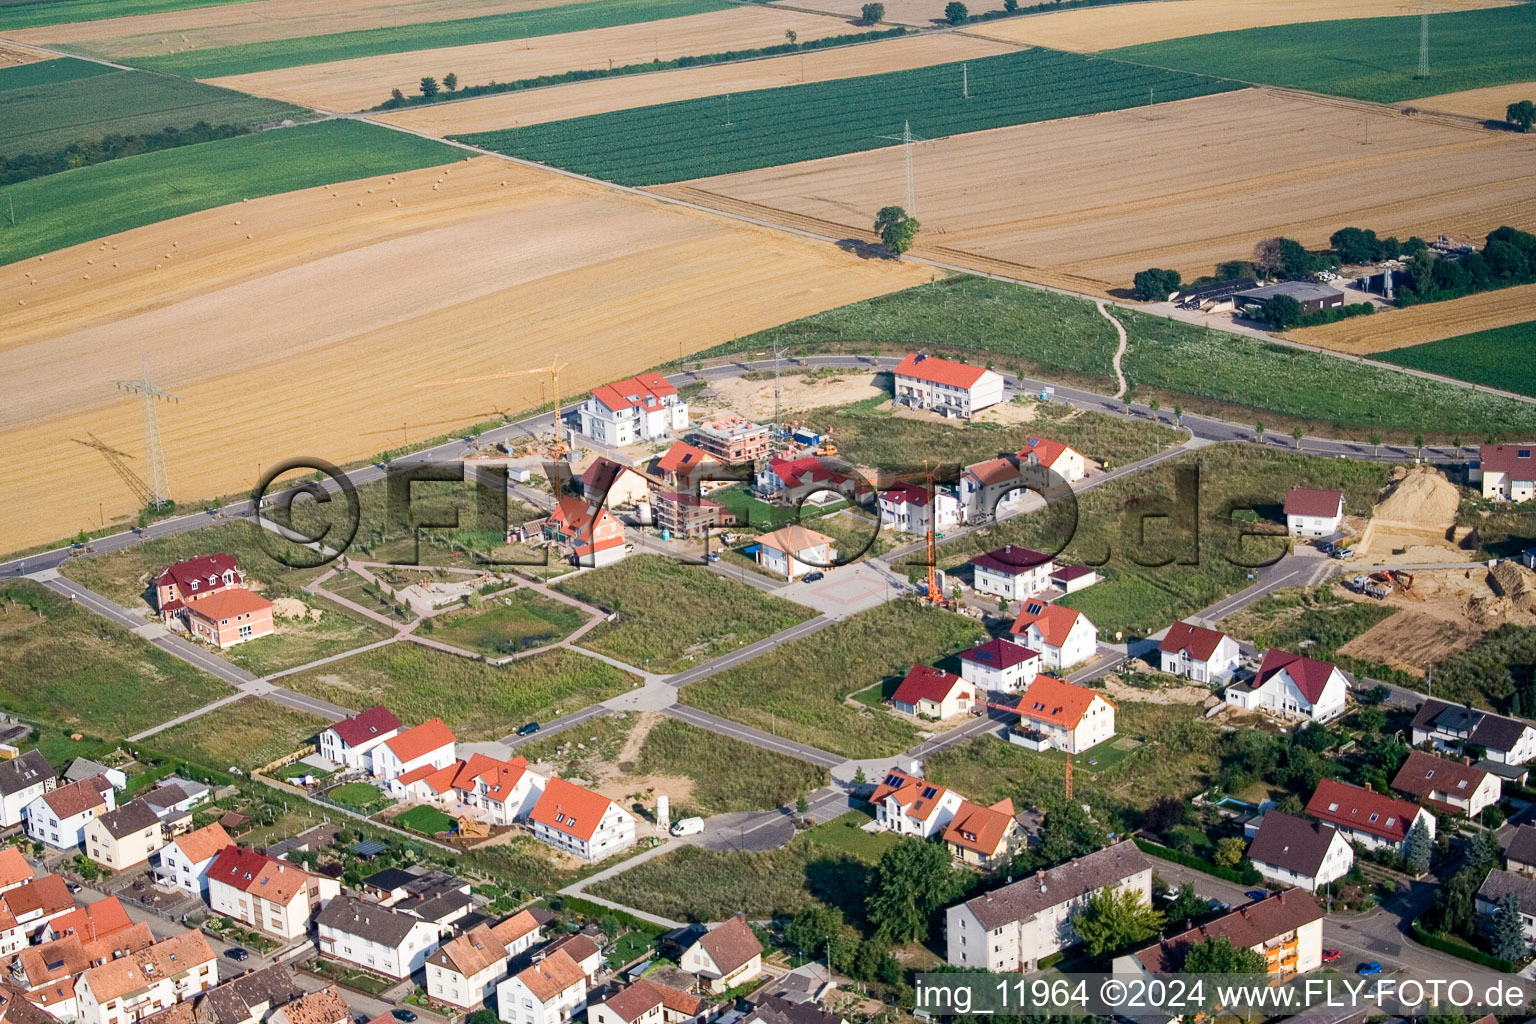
x,y
1368,788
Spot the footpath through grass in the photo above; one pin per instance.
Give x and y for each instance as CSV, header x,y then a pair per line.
x,y
1367,58
248,58
16,14
1504,357
1027,330
61,210
695,138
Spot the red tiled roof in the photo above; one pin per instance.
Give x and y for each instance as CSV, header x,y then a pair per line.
x,y
1307,501
1423,774
226,604
48,895
999,654
1053,621
1246,927
1309,674
92,922
1197,641
806,470
14,868
569,808
939,371
681,456
1517,460
1011,560
500,777
204,843
425,738
926,683
1044,450
979,828
908,493
199,569
78,797
268,877
731,944
917,796
643,392
995,471
1057,701
365,725
1353,807
552,975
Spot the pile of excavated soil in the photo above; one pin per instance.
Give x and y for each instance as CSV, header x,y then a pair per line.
x,y
293,608
1515,584
1422,496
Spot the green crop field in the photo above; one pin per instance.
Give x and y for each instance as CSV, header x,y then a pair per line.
x,y
699,137
248,58
50,73
41,116
1504,357
65,209
1368,58
31,13
1029,331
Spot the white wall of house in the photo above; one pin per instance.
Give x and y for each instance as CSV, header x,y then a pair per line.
x,y
387,764
1312,526
359,758
1218,668
892,817
1019,945
178,870
614,832
1082,640
1009,680
286,922
392,961
516,1003
1281,696
61,834
1335,865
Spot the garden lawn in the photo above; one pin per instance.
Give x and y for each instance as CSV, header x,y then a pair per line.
x,y
696,138
1180,512
41,117
1367,58
247,734
356,794
693,884
728,774
673,616
478,701
60,663
76,206
846,833
1031,331
797,689
508,623
249,58
30,13
1504,357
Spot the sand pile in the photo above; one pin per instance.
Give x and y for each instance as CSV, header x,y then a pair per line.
x,y
1422,496
293,608
1515,584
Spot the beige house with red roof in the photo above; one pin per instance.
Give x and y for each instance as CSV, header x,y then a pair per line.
x,y
933,693
793,551
1447,786
1198,654
1052,462
580,822
911,806
273,896
1508,471
230,617
1063,636
185,860
463,972
551,991
351,741
1374,820
58,817
1313,513
949,388
633,411
1054,713
132,987
181,585
1286,929
726,956
985,837
430,743
1293,686
683,466
593,535
646,1002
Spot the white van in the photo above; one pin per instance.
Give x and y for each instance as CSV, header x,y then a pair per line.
x,y
688,827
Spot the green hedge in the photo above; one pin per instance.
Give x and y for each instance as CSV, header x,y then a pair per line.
x,y
1248,875
1337,313
598,910
1461,950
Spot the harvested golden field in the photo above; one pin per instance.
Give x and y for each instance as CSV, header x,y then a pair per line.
x,y
308,336
1105,28
489,113
366,81
12,54
1399,328
1089,201
258,21
897,12
1483,104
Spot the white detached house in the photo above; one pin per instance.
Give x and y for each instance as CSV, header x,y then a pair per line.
x,y
58,817
909,508
1011,572
1198,654
22,780
910,806
430,743
1000,665
185,860
1313,513
351,741
1290,685
1063,636
577,820
388,942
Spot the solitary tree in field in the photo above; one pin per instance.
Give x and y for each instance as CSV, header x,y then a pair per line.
x,y
1010,5
451,82
1297,435
896,229
872,13
1155,405
429,86
955,13
791,35
1522,115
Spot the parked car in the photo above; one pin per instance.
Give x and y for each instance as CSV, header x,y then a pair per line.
x,y
403,1015
237,954
529,729
1369,967
72,886
1342,553
688,827
1219,905
812,577
1330,955
1257,894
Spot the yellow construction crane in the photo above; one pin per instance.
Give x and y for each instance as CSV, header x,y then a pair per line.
x,y
136,484
559,447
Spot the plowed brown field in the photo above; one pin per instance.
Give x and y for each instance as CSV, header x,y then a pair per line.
x,y
366,81
308,336
258,21
1397,328
534,106
1104,28
1090,201
1484,104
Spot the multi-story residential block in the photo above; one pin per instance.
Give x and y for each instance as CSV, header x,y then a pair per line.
x,y
385,941
273,896
689,515
732,439
947,387
640,409
581,822
135,986
551,991
1286,929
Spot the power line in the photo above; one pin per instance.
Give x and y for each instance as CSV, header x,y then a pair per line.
x,y
159,488
906,138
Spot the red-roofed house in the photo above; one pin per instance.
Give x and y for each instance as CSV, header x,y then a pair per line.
x,y
350,742
59,816
908,507
1290,685
933,693
987,489
593,534
1509,471
681,466
1012,572
643,408
984,837
230,617
188,582
1199,654
273,896
1066,462
910,806
185,860
1063,636
430,743
575,819
613,485
1446,786
950,388
505,791
1056,713
1000,665
792,551
1374,820
728,955
795,480
1313,513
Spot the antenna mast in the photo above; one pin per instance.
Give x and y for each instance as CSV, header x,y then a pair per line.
x,y
159,489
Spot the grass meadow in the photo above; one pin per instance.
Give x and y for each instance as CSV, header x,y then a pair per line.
x,y
673,616
249,58
76,206
798,689
247,734
728,774
1367,58
1504,357
508,623
695,138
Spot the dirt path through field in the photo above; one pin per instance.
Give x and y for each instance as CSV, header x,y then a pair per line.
x,y
1119,350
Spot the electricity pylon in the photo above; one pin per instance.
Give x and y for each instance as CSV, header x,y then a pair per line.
x,y
159,489
906,138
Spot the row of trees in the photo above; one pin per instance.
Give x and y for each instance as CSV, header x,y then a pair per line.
x,y
99,149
